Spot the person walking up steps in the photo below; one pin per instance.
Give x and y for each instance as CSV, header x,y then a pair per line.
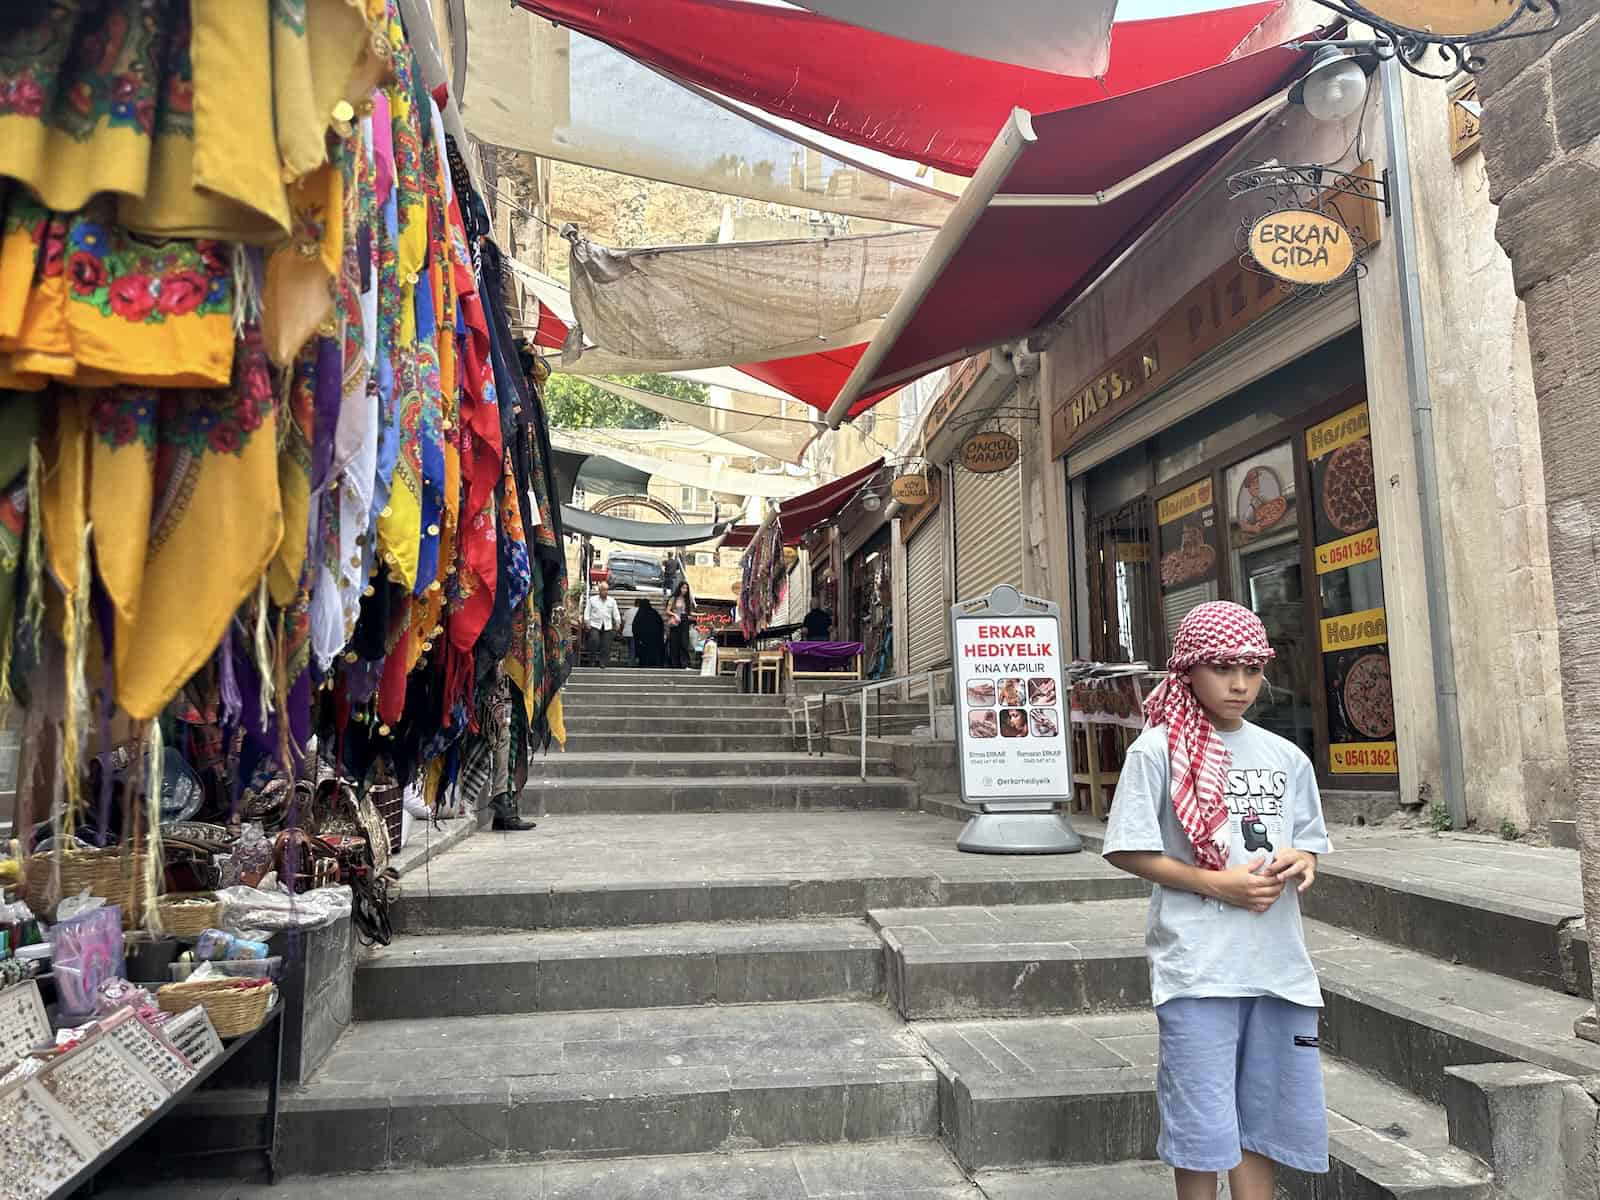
x,y
1225,819
602,619
679,610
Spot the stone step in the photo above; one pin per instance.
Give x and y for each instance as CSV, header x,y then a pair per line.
x,y
1407,1016
1402,1015
654,967
1505,908
654,676
706,712
1080,1092
669,794
584,739
654,764
402,1095
600,870
1501,908
912,1169
657,722
944,963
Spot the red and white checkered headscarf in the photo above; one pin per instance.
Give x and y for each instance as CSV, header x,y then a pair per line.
x,y
1218,632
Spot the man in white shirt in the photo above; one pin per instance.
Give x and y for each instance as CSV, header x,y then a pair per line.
x,y
602,619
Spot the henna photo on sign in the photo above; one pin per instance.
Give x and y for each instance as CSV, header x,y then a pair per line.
x,y
1043,721
1013,693
980,695
1013,723
982,723
1042,690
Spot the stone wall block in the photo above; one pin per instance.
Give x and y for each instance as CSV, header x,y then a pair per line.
x,y
1535,1128
1573,88
1570,419
1551,329
1522,137
1545,226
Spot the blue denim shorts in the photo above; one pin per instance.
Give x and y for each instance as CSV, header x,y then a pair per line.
x,y
1240,1073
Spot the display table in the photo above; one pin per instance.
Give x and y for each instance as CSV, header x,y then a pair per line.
x,y
813,660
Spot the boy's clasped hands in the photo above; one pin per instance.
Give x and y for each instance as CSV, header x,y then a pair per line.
x,y
1257,885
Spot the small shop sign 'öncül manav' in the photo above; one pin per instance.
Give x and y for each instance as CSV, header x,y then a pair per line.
x,y
1302,247
988,452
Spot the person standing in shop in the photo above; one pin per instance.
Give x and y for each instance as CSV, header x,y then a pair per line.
x,y
602,619
679,609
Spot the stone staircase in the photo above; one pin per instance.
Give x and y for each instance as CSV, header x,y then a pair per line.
x,y
720,968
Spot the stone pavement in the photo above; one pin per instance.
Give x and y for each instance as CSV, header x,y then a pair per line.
x,y
811,994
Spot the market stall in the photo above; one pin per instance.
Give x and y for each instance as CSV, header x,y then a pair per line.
x,y
281,561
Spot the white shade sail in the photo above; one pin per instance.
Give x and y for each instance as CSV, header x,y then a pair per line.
x,y
1065,37
550,91
767,434
713,479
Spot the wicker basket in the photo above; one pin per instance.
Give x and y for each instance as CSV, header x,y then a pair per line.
x,y
114,874
189,914
236,1006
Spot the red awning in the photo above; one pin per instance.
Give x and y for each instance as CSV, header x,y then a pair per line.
x,y
1032,232
905,98
799,515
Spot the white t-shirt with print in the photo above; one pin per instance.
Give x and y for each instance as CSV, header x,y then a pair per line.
x,y
1203,947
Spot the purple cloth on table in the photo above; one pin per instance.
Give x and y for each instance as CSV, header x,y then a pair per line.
x,y
821,656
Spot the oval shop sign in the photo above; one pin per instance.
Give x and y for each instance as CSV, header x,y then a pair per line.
x,y
910,489
1446,18
1302,247
986,453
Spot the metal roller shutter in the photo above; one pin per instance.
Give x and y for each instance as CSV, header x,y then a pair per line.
x,y
927,619
988,511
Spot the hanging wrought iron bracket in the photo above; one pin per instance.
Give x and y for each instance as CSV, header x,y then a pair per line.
x,y
1409,47
1308,185
1305,187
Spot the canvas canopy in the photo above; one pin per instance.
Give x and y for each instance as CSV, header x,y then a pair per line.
x,y
768,435
1067,37
923,102
639,533
711,305
559,93
712,479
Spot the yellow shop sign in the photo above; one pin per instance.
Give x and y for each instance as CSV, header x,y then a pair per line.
x,y
1181,504
1369,627
1347,552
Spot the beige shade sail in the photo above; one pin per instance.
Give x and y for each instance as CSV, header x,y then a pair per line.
x,y
737,302
533,86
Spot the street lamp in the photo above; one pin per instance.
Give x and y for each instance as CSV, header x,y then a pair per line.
x,y
1334,88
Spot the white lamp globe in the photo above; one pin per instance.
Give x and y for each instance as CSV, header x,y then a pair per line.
x,y
871,503
1336,87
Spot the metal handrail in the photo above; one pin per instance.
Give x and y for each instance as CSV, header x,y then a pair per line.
x,y
864,688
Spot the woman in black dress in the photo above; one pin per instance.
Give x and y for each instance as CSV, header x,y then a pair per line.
x,y
679,609
648,640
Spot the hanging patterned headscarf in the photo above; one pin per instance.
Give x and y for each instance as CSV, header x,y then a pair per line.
x,y
1218,632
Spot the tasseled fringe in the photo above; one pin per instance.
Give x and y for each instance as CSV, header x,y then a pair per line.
x,y
263,649
154,853
33,606
246,300
280,671
75,638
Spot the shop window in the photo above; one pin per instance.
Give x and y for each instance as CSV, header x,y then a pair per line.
x,y
1266,573
1186,523
1354,633
1125,593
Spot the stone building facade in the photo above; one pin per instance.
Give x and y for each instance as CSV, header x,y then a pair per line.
x,y
1542,146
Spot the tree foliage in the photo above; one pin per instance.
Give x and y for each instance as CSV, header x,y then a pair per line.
x,y
572,402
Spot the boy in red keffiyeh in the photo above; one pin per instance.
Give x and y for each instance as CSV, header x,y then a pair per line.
x,y
1224,818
